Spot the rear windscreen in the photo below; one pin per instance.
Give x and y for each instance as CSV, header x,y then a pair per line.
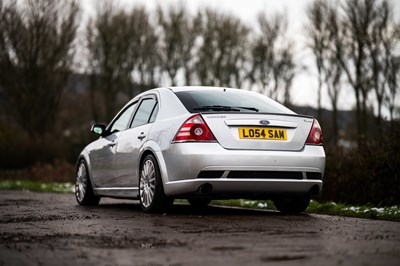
x,y
229,100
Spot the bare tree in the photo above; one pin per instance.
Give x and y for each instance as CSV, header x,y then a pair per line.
x,y
36,52
393,87
272,58
144,52
285,72
179,32
222,53
333,70
317,31
359,17
326,34
360,43
371,39
101,47
383,40
108,45
123,54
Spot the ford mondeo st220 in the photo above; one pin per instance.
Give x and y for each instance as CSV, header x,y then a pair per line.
x,y
203,143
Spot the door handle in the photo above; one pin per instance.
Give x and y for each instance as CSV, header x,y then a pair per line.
x,y
112,144
141,136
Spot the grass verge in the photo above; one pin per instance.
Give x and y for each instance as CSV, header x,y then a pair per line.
x,y
391,213
65,187
331,208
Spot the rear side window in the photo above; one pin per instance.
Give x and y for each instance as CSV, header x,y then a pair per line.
x,y
145,112
154,113
229,100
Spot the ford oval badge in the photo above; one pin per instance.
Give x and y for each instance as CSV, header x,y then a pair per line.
x,y
264,122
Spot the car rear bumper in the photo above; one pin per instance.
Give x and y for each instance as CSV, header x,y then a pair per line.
x,y
185,161
257,188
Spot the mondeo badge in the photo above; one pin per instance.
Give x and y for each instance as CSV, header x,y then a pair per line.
x,y
264,122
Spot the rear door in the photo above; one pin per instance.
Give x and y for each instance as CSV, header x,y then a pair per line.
x,y
131,141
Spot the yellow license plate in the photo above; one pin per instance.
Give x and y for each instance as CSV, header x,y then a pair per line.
x,y
262,133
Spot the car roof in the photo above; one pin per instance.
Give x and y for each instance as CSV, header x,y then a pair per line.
x,y
191,88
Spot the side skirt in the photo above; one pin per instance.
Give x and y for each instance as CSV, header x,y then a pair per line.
x,y
118,192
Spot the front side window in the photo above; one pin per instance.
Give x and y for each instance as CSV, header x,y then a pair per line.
x,y
145,112
122,122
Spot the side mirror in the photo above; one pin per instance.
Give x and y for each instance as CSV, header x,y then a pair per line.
x,y
98,129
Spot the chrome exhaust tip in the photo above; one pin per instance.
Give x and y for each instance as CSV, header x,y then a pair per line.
x,y
206,188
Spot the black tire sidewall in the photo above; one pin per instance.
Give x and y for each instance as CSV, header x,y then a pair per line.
x,y
293,205
199,202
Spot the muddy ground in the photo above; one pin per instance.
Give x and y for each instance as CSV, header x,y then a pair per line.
x,y
51,229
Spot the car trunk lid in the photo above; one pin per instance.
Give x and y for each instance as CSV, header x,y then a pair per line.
x,y
258,131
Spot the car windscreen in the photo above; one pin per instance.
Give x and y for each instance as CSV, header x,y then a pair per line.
x,y
229,101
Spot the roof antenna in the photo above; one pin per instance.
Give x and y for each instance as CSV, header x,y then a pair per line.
x,y
224,89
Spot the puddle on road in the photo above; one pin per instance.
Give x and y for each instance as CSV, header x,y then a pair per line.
x,y
283,258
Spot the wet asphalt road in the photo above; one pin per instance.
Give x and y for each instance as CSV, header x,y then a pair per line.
x,y
51,229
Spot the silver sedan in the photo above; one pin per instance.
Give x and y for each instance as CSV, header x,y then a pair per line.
x,y
203,143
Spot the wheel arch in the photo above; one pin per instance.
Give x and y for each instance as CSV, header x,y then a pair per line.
x,y
144,154
151,148
84,155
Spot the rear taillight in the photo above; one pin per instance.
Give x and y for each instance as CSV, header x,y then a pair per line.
x,y
194,129
315,136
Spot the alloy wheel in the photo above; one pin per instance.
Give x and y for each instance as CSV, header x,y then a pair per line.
x,y
81,182
147,183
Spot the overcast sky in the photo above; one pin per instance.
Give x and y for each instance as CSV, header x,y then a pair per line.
x,y
304,89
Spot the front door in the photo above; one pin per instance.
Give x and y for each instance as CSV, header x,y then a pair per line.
x,y
102,158
103,154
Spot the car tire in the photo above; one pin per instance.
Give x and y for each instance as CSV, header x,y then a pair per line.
x,y
151,191
293,205
83,187
199,203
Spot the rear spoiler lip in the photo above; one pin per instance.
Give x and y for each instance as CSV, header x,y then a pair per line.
x,y
258,113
